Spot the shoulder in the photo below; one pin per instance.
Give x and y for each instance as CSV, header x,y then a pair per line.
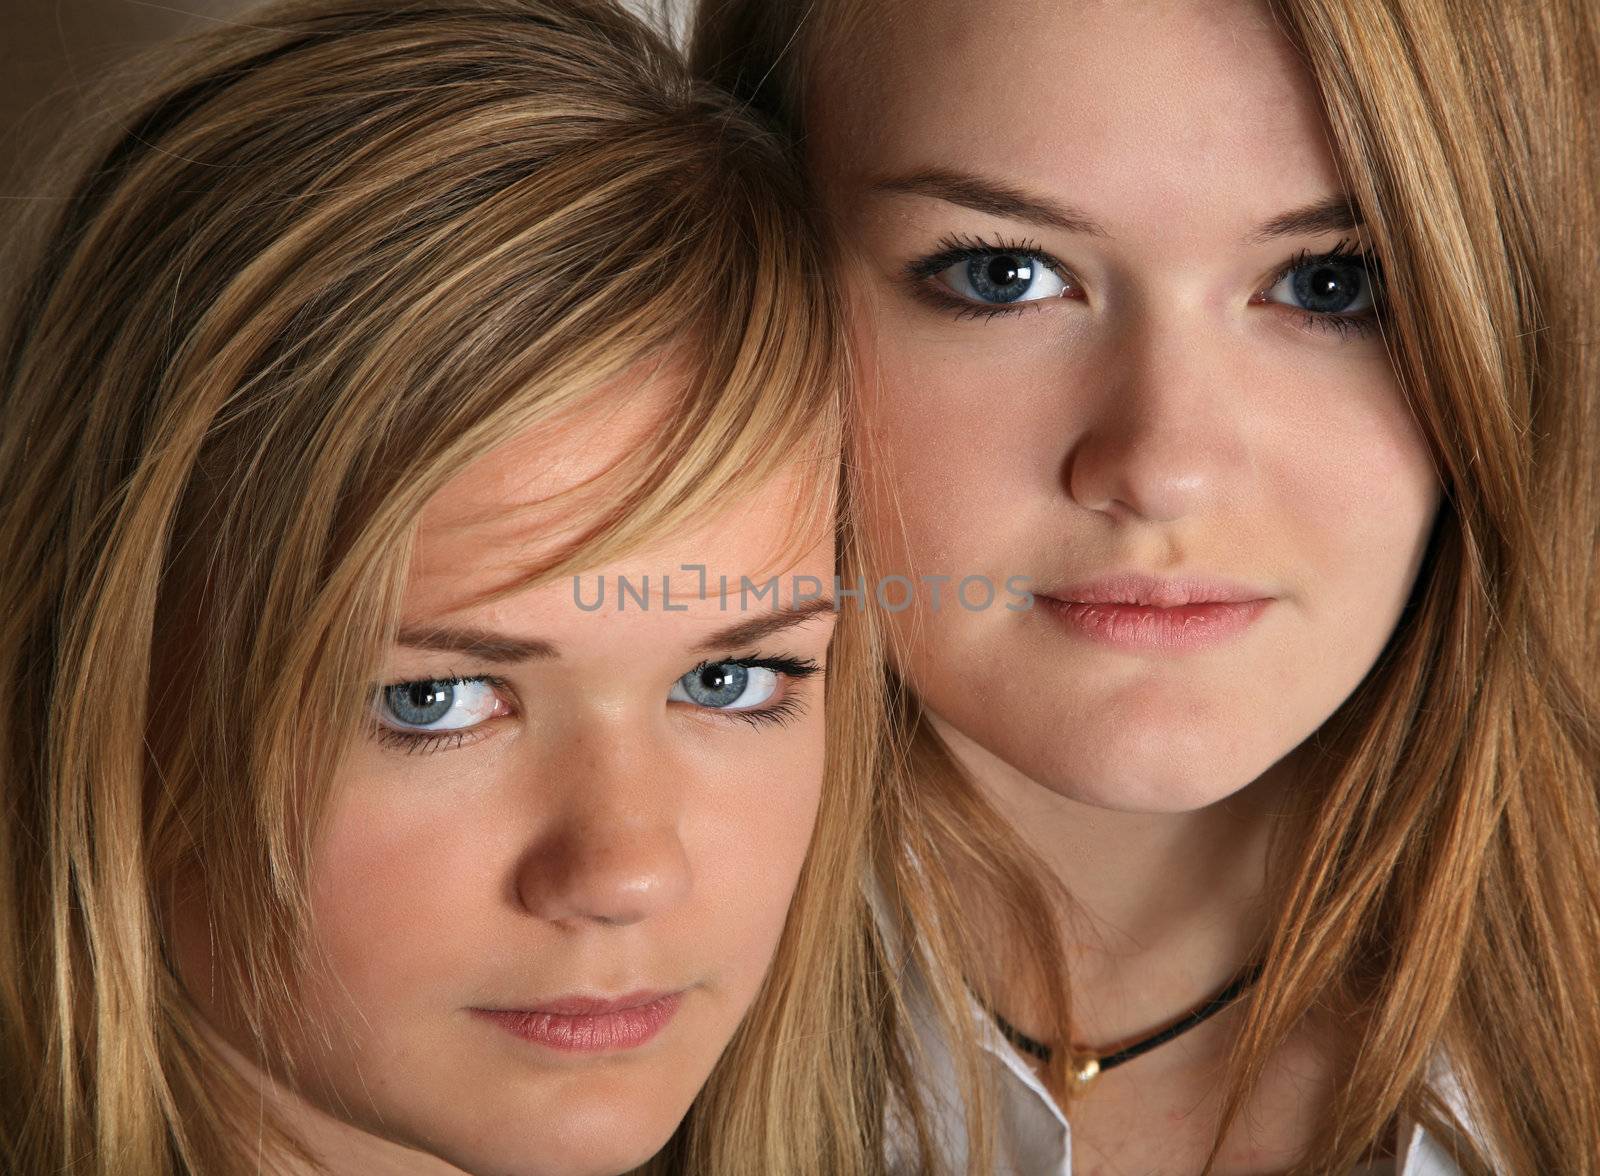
x,y
1029,1130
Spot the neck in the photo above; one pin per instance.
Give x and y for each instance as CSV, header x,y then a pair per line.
x,y
1166,908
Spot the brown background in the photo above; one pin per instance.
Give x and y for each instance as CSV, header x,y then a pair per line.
x,y
55,56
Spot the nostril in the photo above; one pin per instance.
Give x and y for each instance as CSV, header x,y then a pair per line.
x,y
1147,471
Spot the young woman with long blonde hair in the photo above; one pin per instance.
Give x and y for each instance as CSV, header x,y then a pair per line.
x,y
1263,341
386,788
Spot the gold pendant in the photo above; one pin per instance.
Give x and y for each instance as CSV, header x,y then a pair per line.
x,y
1087,1071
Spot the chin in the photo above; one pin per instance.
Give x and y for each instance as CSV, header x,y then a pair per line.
x,y
1147,766
1169,738
1137,785
485,1126
535,1148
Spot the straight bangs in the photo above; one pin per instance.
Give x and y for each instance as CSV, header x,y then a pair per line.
x,y
332,260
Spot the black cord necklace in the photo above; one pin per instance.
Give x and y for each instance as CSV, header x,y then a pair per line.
x,y
1098,1065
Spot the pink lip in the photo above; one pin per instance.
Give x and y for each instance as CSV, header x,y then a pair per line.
x,y
582,1024
1135,611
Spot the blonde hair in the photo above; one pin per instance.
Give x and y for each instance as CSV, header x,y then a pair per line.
x,y
332,257
1443,890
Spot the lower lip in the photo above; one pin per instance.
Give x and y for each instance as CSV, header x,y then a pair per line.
x,y
598,1032
1146,628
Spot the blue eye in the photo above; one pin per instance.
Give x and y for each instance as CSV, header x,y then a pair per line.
x,y
437,704
725,686
998,278
1337,283
987,277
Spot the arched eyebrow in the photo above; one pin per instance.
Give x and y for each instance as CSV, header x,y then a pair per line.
x,y
506,649
984,195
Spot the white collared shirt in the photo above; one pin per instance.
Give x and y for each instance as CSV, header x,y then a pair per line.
x,y
1032,1133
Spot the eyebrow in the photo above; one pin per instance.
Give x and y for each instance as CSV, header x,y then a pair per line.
x,y
500,648
1334,214
752,630
983,195
504,649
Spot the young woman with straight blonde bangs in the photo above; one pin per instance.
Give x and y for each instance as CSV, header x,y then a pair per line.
x,y
343,831
1264,339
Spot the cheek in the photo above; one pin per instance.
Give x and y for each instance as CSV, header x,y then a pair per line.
x,y
369,854
398,894
963,452
747,834
1358,493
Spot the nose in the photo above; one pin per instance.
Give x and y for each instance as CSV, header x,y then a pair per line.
x,y
613,853
1164,436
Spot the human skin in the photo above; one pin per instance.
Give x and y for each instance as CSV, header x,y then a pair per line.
x,y
591,836
1165,410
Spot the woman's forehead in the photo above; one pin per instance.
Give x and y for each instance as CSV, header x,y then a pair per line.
x,y
749,552
1077,97
528,498
535,478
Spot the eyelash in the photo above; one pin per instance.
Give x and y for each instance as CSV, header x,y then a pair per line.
x,y
422,742
1339,324
958,248
781,712
953,250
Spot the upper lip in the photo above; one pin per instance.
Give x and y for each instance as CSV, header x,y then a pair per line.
x,y
1141,588
581,1005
